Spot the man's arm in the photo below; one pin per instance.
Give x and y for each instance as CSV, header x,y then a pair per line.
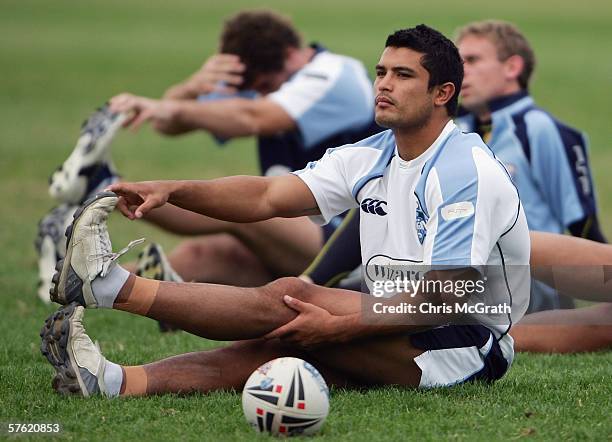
x,y
237,199
219,69
233,117
314,325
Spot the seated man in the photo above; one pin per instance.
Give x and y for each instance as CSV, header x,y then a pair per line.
x,y
442,198
547,159
306,100
575,267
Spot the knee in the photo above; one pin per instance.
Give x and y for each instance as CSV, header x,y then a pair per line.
x,y
212,246
292,286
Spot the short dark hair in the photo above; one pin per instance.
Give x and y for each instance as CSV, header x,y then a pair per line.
x,y
261,39
440,57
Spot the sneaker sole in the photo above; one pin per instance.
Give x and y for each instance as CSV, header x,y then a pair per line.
x,y
63,267
93,149
55,336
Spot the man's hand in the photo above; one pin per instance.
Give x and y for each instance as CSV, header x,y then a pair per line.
x,y
137,199
141,109
220,73
313,325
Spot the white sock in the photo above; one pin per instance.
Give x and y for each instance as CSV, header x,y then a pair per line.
x,y
113,378
106,289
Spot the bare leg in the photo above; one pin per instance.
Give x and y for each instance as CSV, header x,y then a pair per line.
x,y
574,266
223,369
565,331
233,313
229,313
549,249
219,259
388,361
285,246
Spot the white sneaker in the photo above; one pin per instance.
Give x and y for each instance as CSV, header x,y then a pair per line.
x,y
89,253
78,362
50,245
89,167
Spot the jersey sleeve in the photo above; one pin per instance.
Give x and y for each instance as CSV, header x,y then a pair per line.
x,y
560,164
470,201
328,96
330,181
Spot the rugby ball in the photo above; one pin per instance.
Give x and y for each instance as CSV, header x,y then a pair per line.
x,y
286,397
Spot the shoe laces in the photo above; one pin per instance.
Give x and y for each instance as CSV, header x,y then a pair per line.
x,y
108,257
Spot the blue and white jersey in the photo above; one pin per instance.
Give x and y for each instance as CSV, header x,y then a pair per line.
x,y
454,205
332,103
548,162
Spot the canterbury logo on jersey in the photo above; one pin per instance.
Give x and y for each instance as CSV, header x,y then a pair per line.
x,y
375,207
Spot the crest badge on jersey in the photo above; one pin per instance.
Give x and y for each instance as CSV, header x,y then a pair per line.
x,y
421,222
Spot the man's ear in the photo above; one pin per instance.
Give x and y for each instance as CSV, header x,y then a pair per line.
x,y
444,93
513,67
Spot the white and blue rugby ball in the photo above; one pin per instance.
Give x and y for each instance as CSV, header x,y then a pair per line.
x,y
286,397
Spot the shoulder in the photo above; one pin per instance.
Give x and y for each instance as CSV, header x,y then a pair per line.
x,y
463,165
457,154
366,151
541,121
326,65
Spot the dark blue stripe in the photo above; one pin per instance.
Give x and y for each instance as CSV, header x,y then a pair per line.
x,y
505,101
573,139
520,130
377,171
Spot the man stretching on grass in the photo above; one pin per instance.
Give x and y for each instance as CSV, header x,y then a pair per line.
x,y
435,196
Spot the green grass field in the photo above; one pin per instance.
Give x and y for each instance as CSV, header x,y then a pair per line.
x,y
61,59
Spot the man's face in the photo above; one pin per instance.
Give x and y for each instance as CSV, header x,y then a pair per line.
x,y
485,76
402,96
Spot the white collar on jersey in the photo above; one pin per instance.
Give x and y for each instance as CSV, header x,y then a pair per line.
x,y
418,161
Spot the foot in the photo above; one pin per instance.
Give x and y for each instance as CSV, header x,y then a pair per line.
x,y
89,167
50,245
89,255
153,264
78,362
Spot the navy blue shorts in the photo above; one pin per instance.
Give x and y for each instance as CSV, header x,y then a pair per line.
x,y
454,354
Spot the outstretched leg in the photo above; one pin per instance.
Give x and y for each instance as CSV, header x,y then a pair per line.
x,y
574,266
565,331
219,259
82,369
285,246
